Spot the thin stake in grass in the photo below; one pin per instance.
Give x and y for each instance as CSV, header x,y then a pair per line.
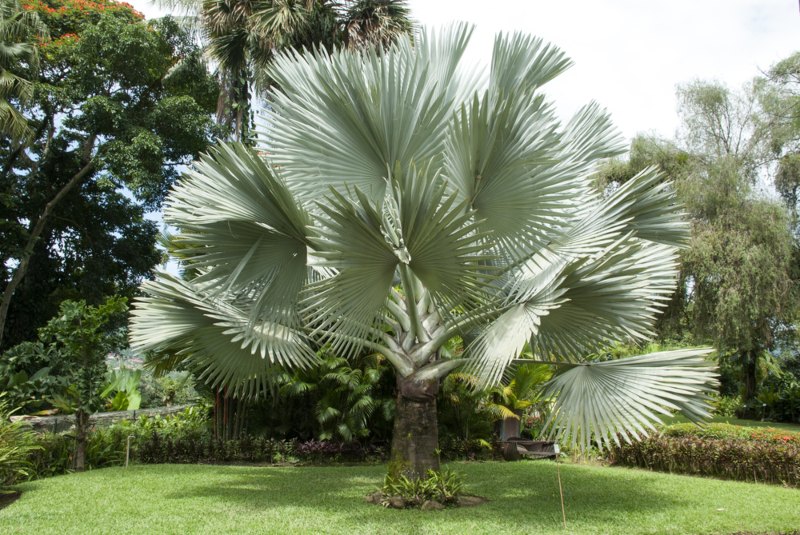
x,y
557,450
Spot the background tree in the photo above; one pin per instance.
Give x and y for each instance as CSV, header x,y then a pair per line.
x,y
119,105
741,258
737,286
740,266
243,36
411,208
780,99
79,338
721,124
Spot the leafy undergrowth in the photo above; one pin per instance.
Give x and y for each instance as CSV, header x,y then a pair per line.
x,y
758,454
523,498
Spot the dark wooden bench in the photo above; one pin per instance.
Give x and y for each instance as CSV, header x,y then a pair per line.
x,y
516,448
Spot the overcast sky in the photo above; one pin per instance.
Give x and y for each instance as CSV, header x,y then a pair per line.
x,y
630,55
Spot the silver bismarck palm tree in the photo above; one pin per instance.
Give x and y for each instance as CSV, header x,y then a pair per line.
x,y
403,200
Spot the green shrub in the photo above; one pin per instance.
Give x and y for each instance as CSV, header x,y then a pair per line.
x,y
54,456
17,442
727,406
714,430
463,449
729,431
186,437
764,456
444,487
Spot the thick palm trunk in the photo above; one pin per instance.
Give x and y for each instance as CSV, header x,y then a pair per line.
x,y
416,436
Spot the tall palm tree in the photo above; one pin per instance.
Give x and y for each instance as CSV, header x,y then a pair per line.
x,y
19,30
243,37
406,200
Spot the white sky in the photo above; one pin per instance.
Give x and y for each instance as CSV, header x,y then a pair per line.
x,y
630,55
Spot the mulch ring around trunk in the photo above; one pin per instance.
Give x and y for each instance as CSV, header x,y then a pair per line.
x,y
7,498
398,502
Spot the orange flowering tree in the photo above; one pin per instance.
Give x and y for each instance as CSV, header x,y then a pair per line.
x,y
119,105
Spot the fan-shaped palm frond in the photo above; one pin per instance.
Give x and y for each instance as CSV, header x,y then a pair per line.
x,y
240,225
214,337
601,401
386,108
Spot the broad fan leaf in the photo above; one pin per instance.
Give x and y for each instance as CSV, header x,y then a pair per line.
x,y
446,249
241,229
601,401
521,63
609,297
352,244
382,108
216,338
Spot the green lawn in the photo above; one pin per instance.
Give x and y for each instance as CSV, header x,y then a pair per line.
x,y
679,419
524,499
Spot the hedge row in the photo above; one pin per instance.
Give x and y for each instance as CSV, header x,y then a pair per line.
x,y
763,456
204,449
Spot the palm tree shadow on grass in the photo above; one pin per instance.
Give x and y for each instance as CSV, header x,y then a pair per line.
x,y
513,495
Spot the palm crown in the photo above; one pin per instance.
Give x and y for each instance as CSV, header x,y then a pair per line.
x,y
400,200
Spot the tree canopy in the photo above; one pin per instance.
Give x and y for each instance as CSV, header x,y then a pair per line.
x,y
738,277
119,105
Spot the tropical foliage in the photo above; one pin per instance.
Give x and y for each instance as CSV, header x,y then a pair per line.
x,y
244,36
118,105
20,32
347,399
80,337
17,443
400,206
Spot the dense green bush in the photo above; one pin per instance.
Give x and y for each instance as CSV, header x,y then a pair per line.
x,y
780,398
17,442
727,406
729,431
762,455
54,457
444,487
186,437
464,449
157,449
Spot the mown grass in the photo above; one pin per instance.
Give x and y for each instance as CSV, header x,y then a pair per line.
x,y
523,499
680,419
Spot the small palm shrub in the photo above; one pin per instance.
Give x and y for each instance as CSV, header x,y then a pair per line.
x,y
17,442
442,486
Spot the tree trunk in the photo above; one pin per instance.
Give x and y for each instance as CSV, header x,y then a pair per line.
x,y
33,236
415,438
81,435
750,371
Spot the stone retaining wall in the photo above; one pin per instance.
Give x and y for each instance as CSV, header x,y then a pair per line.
x,y
64,422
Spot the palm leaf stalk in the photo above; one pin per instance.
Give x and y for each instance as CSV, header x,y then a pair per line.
x,y
405,200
